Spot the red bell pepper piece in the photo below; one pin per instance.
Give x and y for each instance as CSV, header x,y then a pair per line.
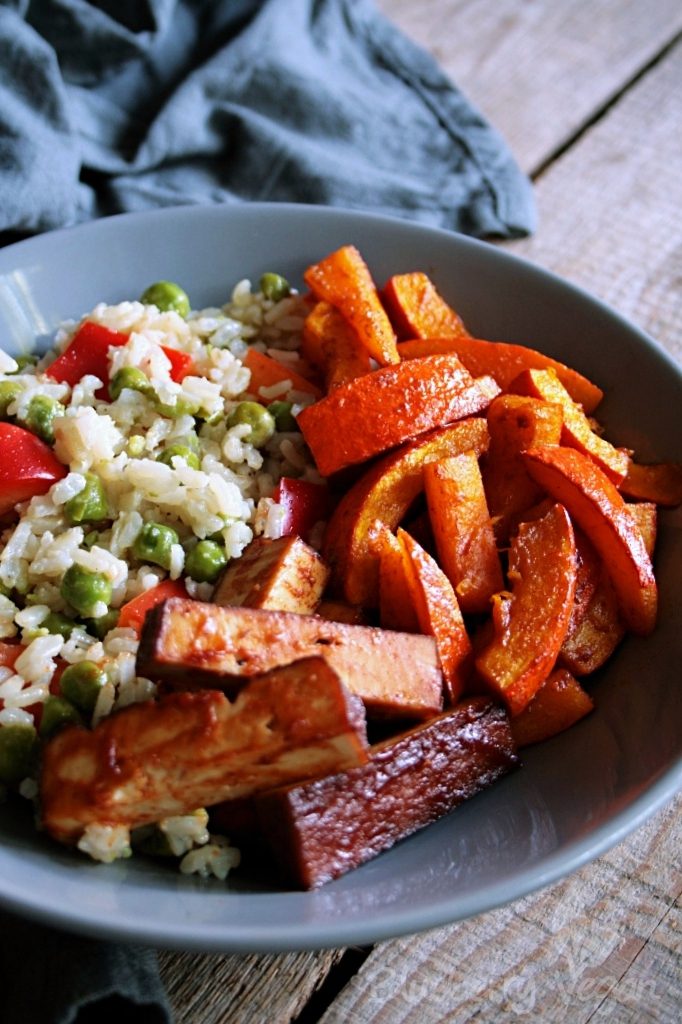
x,y
133,613
9,653
87,353
304,503
27,466
182,364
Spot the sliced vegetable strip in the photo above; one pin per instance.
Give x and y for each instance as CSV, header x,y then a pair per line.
x,y
134,612
596,506
396,609
576,430
504,361
438,614
87,353
266,371
383,495
331,343
530,623
417,310
559,703
377,412
462,530
661,483
343,279
515,422
27,466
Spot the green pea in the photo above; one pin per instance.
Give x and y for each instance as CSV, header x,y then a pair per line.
x,y
83,589
5,591
40,416
103,625
58,625
274,286
57,712
89,505
133,379
205,562
166,296
281,411
192,441
182,407
18,748
186,453
9,391
81,684
153,544
25,361
260,421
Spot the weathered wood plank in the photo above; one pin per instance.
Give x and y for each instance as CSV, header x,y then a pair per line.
x,y
611,208
562,954
235,989
539,70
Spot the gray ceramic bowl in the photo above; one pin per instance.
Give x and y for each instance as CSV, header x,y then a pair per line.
x,y
577,794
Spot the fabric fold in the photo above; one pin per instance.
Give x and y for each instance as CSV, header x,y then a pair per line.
x,y
165,102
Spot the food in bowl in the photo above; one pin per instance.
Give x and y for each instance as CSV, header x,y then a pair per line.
x,y
167,459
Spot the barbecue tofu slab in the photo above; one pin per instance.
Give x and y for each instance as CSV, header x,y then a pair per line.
x,y
193,749
319,829
190,643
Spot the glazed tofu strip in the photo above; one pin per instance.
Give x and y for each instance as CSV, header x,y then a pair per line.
x,y
190,643
281,575
323,827
193,749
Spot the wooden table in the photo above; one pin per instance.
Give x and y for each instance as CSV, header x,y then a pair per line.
x,y
589,96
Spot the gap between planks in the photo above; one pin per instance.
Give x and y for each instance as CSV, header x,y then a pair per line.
x,y
609,102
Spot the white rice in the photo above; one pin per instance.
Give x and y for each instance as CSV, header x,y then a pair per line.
x,y
228,496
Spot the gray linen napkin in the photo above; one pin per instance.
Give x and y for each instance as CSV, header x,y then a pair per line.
x,y
123,105
48,977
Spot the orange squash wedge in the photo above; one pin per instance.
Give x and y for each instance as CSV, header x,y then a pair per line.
x,y
530,623
381,498
596,506
504,361
438,614
343,280
381,410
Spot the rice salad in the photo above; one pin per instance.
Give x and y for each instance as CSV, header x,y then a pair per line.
x,y
157,471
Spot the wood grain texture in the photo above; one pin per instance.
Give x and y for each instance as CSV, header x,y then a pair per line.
x,y
236,989
579,951
539,70
611,208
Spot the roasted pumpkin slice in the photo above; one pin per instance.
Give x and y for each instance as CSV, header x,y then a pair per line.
x,y
343,280
462,530
504,361
515,423
576,430
382,497
530,623
374,413
559,703
438,614
596,506
417,310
